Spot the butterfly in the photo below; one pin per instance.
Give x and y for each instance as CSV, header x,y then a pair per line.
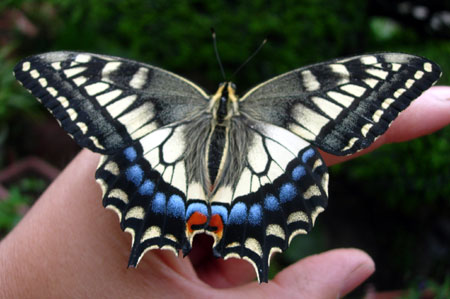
x,y
177,162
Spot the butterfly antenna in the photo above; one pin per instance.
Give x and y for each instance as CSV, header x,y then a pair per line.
x,y
250,57
217,53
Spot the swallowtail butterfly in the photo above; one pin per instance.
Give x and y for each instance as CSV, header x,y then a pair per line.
x,y
177,162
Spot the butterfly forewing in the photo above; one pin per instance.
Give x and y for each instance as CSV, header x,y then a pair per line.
x,y
106,102
251,179
343,105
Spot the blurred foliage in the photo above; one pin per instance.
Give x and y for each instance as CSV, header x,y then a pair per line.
x,y
418,169
429,289
15,205
14,103
408,182
164,34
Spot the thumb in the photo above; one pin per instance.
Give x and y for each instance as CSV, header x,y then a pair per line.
x,y
331,274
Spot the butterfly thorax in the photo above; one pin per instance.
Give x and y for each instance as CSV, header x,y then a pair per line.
x,y
224,103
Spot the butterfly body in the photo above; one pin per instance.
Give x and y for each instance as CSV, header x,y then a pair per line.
x,y
245,170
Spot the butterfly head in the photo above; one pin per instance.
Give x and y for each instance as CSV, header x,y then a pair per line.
x,y
224,103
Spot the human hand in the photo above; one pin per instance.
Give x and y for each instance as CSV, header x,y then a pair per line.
x,y
69,246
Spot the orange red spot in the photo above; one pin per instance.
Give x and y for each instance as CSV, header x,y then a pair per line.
x,y
216,221
196,218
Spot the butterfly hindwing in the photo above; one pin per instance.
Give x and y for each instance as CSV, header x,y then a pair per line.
x,y
342,106
138,184
279,194
106,102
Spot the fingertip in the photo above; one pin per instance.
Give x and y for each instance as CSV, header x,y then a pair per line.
x,y
428,113
328,275
363,269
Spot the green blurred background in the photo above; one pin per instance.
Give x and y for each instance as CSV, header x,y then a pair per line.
x,y
393,203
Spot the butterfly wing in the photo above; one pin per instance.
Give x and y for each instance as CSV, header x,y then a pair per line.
x,y
133,114
342,106
105,102
279,193
146,185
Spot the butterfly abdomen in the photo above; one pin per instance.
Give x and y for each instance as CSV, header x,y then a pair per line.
x,y
217,152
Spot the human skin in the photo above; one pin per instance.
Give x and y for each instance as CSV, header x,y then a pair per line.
x,y
68,246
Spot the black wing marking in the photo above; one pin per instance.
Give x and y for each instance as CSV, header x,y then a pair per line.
x,y
106,102
343,105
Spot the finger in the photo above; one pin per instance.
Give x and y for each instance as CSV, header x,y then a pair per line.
x,y
328,275
427,114
219,273
216,272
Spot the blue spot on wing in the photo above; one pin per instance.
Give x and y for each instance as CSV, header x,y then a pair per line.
x,y
196,207
147,188
238,214
175,207
221,210
135,174
159,203
130,153
287,192
298,172
307,155
255,215
271,203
